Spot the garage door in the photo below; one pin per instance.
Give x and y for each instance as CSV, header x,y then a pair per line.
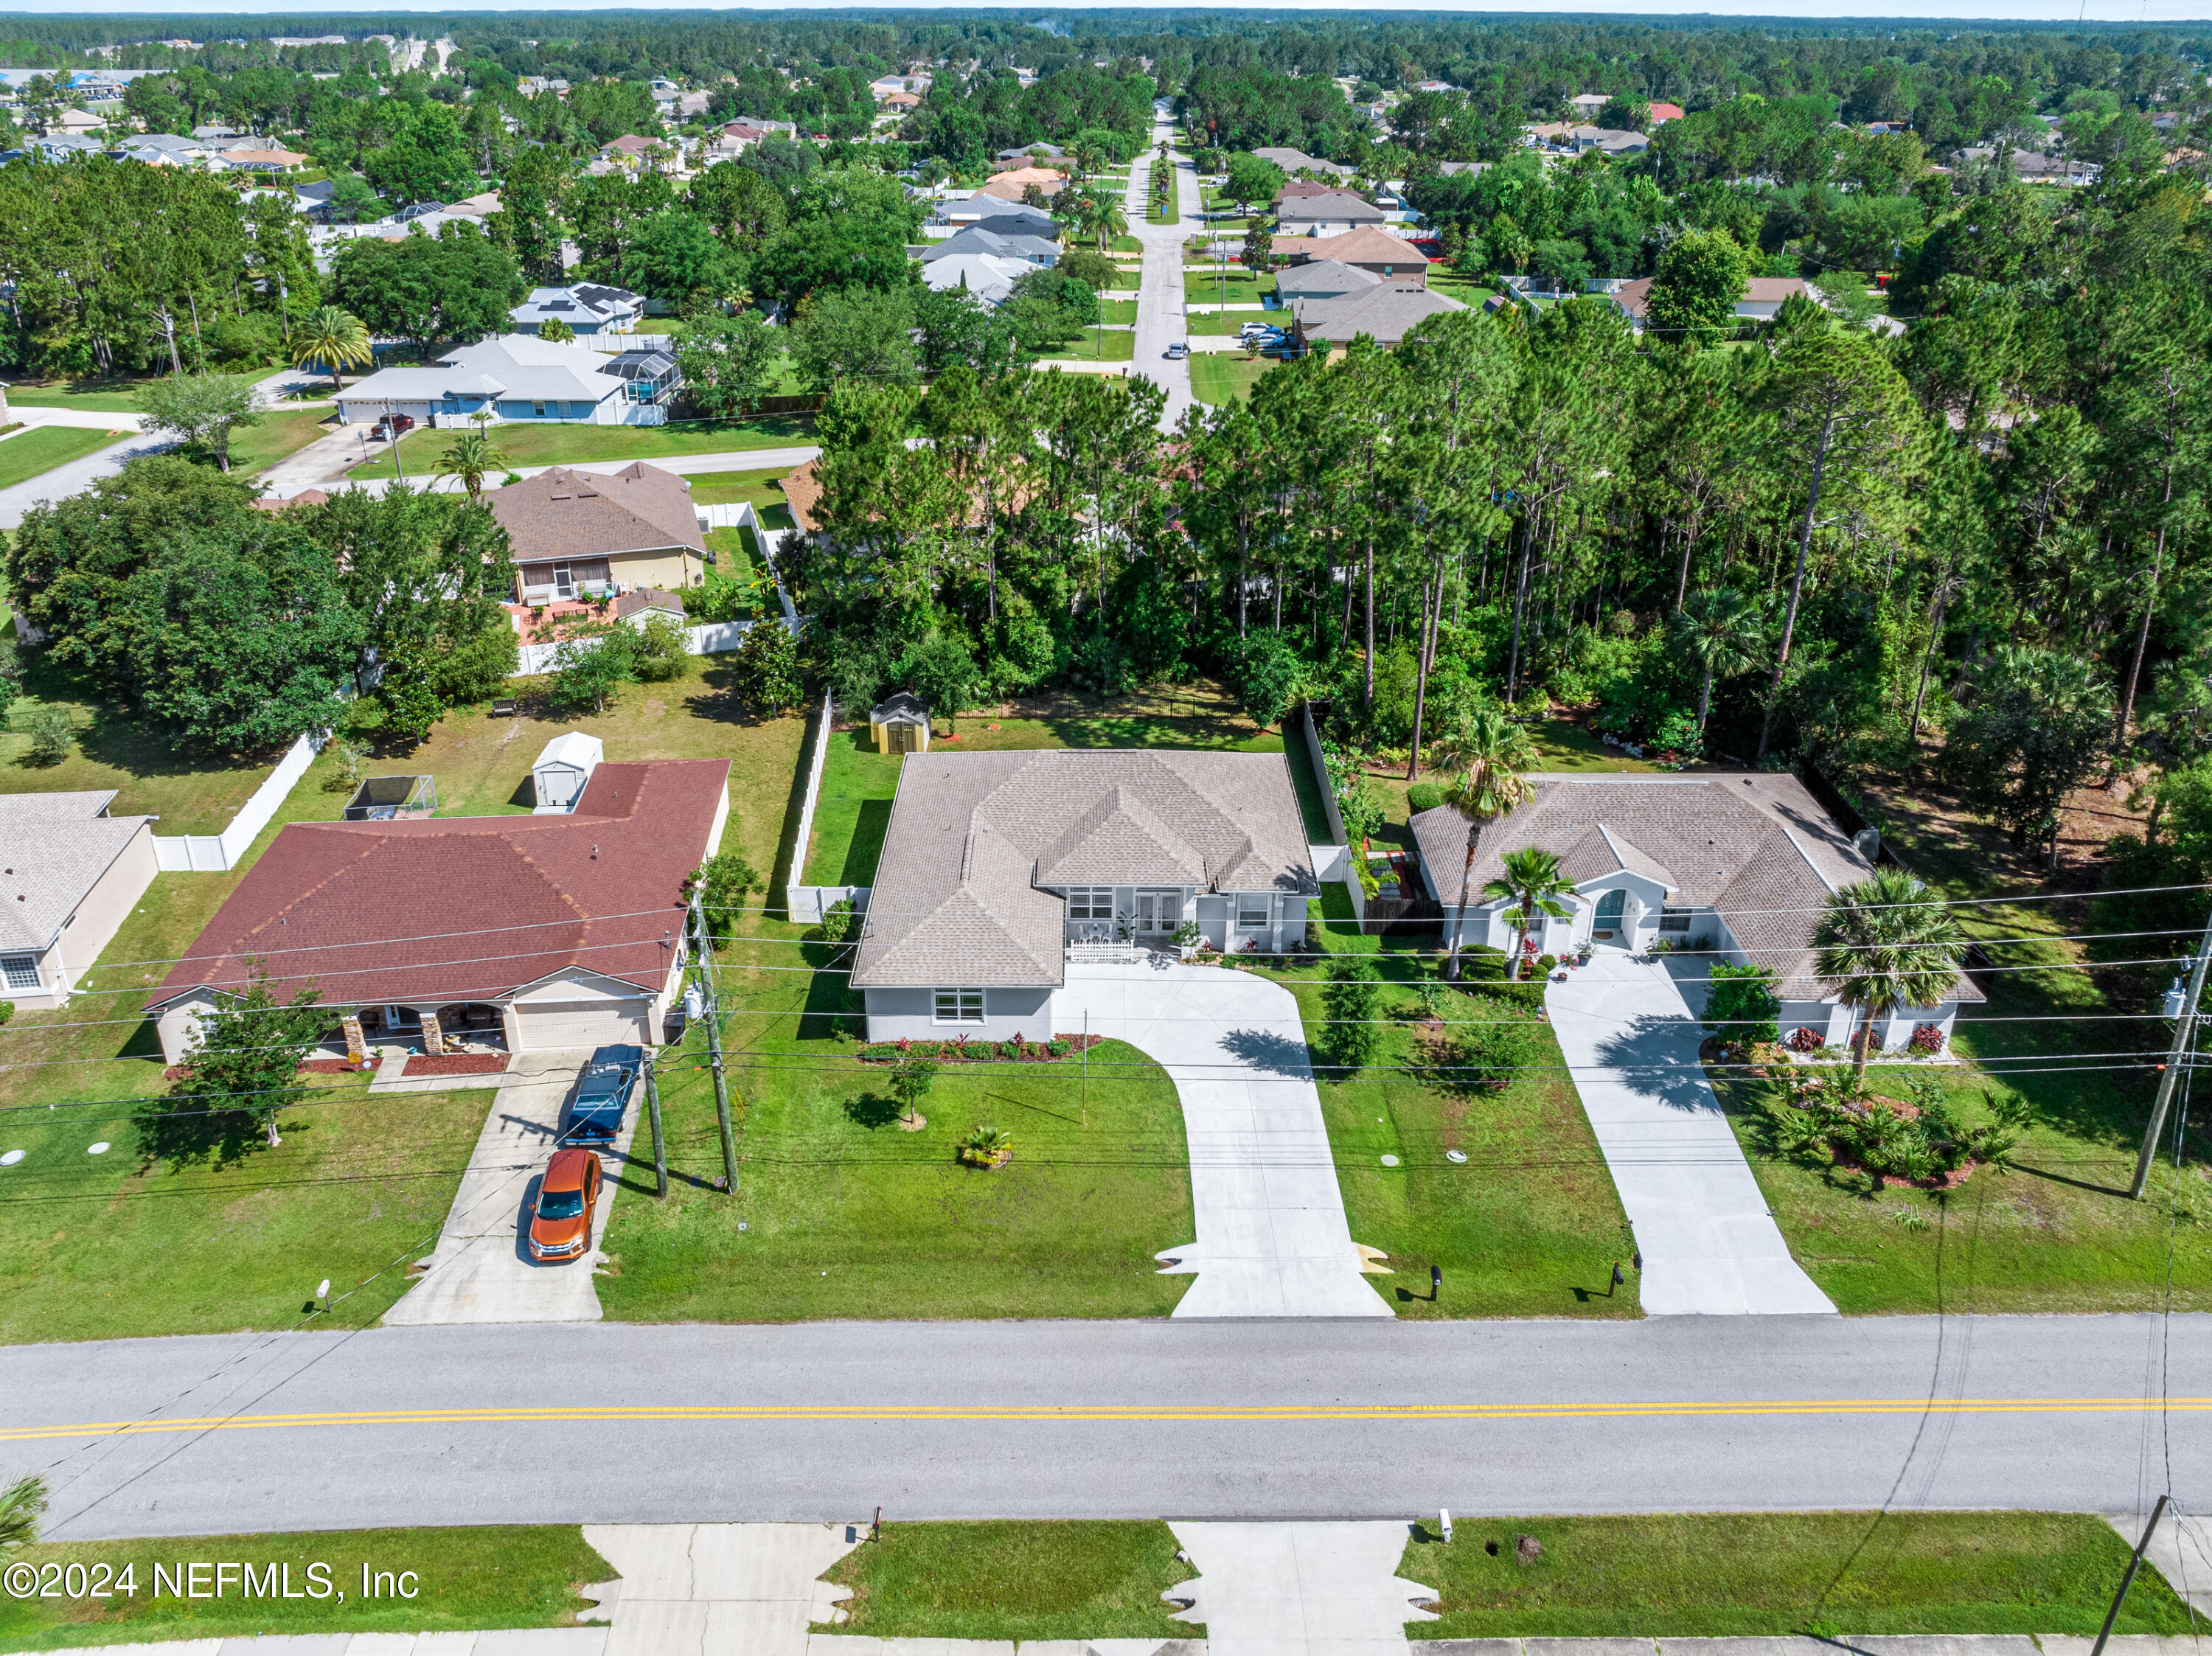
x,y
584,1023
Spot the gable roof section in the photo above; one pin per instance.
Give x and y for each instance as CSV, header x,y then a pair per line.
x,y
1387,312
1756,847
561,514
54,848
468,908
973,837
1366,245
1334,204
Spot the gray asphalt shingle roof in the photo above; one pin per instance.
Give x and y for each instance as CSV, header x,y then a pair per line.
x,y
53,849
973,836
1387,312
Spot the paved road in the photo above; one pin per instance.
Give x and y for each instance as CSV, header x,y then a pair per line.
x,y
75,476
751,459
1118,1419
1710,1245
1159,296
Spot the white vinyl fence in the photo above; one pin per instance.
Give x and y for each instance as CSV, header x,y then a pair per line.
x,y
218,853
710,638
807,902
1332,862
740,515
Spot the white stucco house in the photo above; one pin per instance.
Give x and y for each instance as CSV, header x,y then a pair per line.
x,y
70,876
520,378
999,868
1735,865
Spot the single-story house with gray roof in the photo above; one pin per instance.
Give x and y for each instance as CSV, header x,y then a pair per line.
x,y
998,868
1386,312
70,876
1038,251
1323,278
1743,863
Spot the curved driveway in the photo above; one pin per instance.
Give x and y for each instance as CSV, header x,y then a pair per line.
x,y
1272,1240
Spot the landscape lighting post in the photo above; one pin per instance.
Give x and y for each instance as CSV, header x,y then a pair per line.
x,y
703,961
2184,1027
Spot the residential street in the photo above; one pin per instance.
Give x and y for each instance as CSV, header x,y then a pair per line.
x,y
1259,1419
75,476
1159,301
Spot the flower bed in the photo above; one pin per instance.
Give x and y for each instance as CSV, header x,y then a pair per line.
x,y
961,1050
457,1063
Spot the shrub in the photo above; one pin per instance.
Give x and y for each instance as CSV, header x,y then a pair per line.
x,y
1493,1055
1802,1039
51,735
1547,964
839,923
7,1010
1741,1005
1351,1001
1424,795
1926,1040
658,653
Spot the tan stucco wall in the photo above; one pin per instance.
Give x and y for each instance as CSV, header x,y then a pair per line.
x,y
668,570
103,911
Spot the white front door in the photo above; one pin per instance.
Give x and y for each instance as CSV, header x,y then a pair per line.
x,y
1158,911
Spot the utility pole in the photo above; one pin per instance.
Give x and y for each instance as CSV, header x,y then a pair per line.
x,y
660,1145
2184,1028
391,430
2141,1546
703,962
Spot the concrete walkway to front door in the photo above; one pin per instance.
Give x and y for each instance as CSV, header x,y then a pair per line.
x,y
1708,1243
1273,1240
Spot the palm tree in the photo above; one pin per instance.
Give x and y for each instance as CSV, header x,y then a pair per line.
x,y
330,335
1534,885
1724,633
1108,221
473,455
1489,752
1886,943
21,1505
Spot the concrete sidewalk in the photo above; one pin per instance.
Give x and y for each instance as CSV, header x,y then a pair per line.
x,y
481,1271
1273,1240
1710,1246
114,420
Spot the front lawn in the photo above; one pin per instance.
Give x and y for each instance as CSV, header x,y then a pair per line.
x,y
559,444
765,489
1123,310
123,1244
1014,1581
516,1576
1097,345
1527,1225
1831,1574
258,447
1218,378
841,1212
117,396
857,783
29,453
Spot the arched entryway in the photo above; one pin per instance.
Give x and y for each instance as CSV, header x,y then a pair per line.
x,y
1612,907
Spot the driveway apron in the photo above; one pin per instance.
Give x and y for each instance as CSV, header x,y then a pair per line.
x,y
1273,1240
1710,1246
482,1271
1301,1589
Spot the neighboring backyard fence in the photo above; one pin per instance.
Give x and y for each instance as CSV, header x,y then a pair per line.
x,y
218,853
807,903
740,514
1333,861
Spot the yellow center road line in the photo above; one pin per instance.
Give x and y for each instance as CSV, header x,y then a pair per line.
x,y
1078,1413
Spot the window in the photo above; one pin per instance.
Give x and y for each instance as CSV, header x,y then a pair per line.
x,y
538,411
959,1006
1251,912
1091,902
22,971
1674,920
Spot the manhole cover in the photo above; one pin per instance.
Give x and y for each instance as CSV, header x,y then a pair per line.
x,y
1456,1156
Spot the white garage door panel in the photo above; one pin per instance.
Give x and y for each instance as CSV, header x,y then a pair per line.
x,y
584,1023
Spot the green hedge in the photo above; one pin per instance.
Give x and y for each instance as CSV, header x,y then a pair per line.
x,y
968,1051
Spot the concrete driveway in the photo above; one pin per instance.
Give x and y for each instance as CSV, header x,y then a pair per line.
x,y
1273,1240
482,1271
1709,1244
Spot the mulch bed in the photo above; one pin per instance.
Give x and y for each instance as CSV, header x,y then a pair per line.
x,y
313,1066
983,1052
457,1063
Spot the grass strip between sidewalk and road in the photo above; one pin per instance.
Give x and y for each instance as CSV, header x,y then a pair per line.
x,y
1014,1581
511,1576
1741,1574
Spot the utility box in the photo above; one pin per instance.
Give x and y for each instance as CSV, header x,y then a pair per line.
x,y
557,778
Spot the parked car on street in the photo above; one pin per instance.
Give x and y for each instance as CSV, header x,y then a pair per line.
x,y
602,1096
561,1219
1177,351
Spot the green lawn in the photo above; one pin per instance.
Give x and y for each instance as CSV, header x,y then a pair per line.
x,y
1219,378
1117,310
846,1214
1568,745
1529,1225
1125,245
258,447
102,395
1098,345
1830,1574
102,1247
762,488
557,444
857,783
1164,212
29,453
1226,324
1014,1581
518,1576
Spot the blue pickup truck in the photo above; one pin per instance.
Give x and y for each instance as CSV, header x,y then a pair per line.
x,y
603,1095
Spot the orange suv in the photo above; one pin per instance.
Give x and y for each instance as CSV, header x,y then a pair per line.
x,y
560,1223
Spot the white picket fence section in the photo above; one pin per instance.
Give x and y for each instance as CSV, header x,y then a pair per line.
x,y
805,902
218,853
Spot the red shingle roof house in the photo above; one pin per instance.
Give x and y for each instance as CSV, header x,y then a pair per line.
x,y
1762,300
539,931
